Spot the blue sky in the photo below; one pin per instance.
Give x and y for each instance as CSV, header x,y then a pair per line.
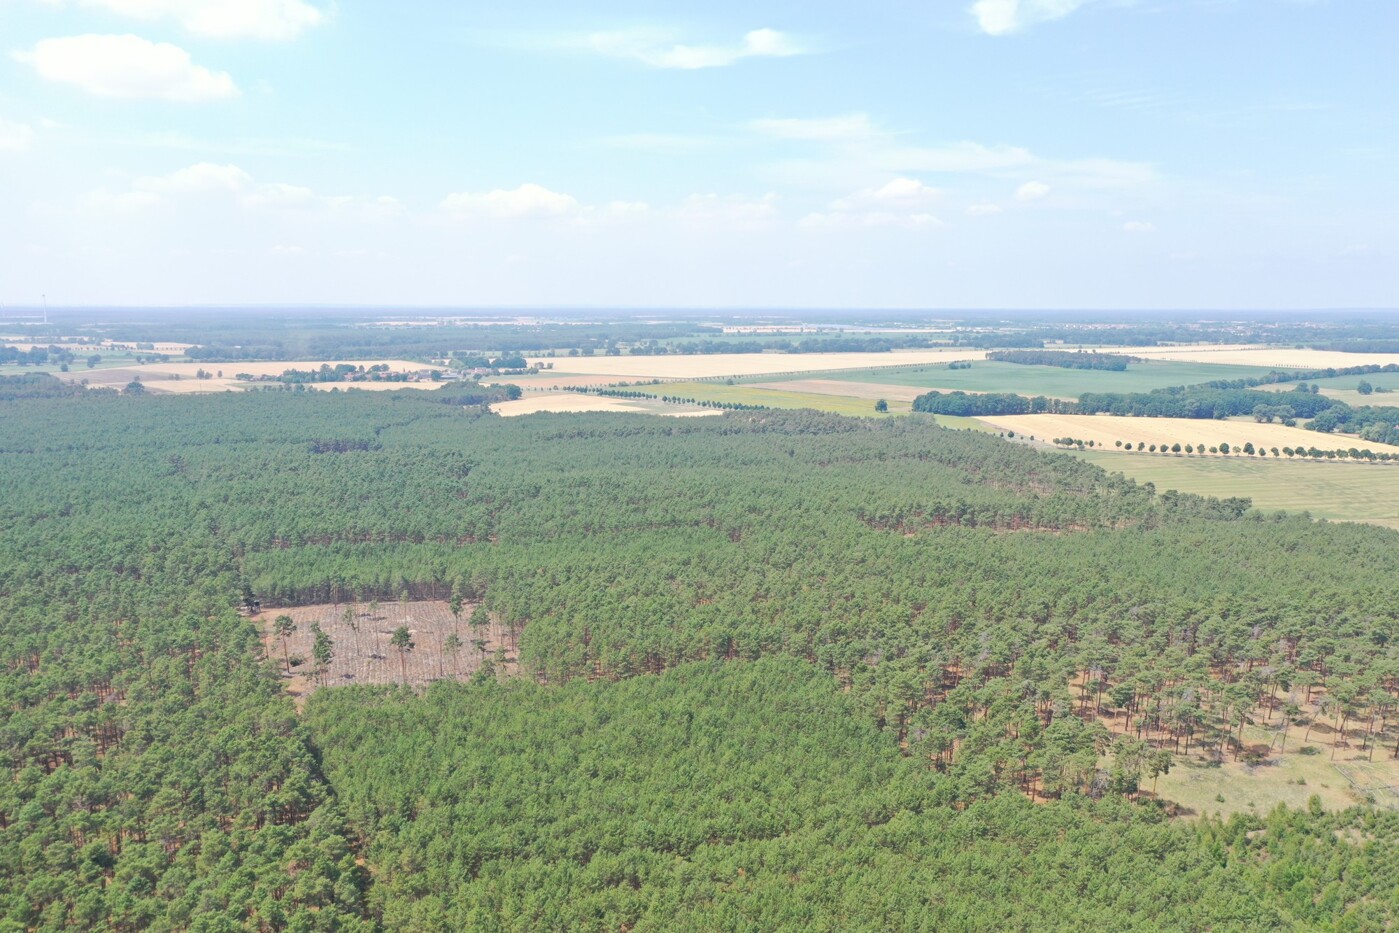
x,y
943,154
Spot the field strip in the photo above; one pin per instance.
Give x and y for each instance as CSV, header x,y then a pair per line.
x,y
864,390
704,366
1279,357
1106,430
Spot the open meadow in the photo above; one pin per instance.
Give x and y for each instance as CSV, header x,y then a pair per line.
x,y
777,398
1354,492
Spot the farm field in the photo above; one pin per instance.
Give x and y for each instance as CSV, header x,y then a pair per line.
x,y
1107,430
1355,492
1345,389
362,653
576,402
1053,381
1276,357
865,390
702,366
777,398
182,377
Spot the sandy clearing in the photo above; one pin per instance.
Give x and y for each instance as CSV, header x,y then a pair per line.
x,y
1106,430
870,390
744,364
576,402
1254,355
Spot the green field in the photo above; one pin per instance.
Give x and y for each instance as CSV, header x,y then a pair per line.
x,y
776,398
1037,380
1354,492
1343,388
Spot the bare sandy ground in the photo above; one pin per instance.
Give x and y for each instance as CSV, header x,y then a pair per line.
x,y
1107,430
745,364
361,648
872,390
1253,355
574,401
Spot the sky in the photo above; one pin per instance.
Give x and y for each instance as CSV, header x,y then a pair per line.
x,y
941,154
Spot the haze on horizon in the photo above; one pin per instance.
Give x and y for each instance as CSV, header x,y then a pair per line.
x,y
1222,154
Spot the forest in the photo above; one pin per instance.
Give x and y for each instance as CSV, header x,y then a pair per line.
x,y
775,670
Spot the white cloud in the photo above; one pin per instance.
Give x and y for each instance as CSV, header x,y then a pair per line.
x,y
1138,226
202,177
1031,191
863,220
1002,17
983,210
901,194
528,200
731,211
15,137
902,202
660,51
232,185
225,19
854,126
127,67
669,143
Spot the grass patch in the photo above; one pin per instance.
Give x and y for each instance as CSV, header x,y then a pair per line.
x,y
775,398
1341,491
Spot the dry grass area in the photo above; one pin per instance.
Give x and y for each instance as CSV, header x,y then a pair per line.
x,y
744,364
1107,430
574,401
1254,355
866,390
1196,784
363,655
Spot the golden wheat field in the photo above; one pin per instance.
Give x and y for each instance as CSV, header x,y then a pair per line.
x,y
1107,430
744,364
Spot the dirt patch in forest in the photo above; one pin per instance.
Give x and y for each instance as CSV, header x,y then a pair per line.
x,y
361,644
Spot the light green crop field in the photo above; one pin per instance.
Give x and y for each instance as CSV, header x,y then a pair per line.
x,y
1055,381
774,398
1344,388
1355,492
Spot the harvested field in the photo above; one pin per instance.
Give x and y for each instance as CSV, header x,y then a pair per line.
x,y
865,390
1106,430
575,401
362,651
1253,355
553,382
744,364
182,377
